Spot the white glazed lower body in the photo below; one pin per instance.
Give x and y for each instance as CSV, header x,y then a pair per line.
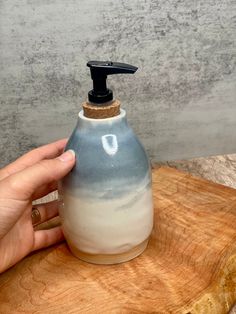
x,y
108,231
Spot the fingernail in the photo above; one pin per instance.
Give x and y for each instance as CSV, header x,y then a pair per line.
x,y
67,156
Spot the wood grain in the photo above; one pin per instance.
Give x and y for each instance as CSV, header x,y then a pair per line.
x,y
188,267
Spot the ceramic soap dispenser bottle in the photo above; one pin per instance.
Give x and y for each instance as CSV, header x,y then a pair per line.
x,y
106,200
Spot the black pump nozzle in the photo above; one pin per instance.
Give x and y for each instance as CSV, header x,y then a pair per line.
x,y
99,70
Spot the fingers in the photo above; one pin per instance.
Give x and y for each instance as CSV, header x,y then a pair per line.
x,y
45,190
45,238
48,151
44,212
23,184
49,224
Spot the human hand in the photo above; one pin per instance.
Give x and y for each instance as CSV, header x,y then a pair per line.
x,y
30,177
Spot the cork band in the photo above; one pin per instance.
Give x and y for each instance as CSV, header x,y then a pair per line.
x,y
101,112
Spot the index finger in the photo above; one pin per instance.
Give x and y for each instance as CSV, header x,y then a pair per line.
x,y
48,151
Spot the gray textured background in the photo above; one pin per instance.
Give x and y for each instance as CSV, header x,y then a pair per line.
x,y
181,102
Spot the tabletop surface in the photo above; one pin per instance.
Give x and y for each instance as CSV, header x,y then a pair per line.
x,y
188,267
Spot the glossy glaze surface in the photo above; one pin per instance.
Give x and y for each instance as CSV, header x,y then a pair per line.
x,y
107,198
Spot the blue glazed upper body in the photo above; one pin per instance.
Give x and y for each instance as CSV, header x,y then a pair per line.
x,y
110,159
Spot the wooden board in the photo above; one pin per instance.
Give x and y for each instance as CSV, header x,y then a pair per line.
x,y
189,266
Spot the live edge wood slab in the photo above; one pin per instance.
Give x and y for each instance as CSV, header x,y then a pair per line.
x,y
188,267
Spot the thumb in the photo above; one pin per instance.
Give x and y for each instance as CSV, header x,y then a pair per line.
x,y
24,183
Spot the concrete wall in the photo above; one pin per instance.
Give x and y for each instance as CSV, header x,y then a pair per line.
x,y
181,102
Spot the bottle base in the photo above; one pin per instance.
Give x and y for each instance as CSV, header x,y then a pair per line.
x,y
109,259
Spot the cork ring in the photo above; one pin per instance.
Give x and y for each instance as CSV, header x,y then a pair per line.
x,y
35,215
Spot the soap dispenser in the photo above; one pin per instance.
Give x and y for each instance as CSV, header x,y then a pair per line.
x,y
106,200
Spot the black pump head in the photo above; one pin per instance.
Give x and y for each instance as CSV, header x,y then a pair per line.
x,y
100,94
